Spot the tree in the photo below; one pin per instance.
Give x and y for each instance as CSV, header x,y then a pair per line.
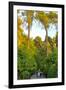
x,y
26,61
53,68
57,39
29,20
29,16
19,32
46,19
38,42
42,17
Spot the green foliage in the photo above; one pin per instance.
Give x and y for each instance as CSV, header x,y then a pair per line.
x,y
43,18
53,69
26,62
47,64
52,72
35,58
46,19
40,56
38,42
53,17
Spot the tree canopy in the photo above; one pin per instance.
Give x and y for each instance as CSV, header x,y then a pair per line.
x,y
34,55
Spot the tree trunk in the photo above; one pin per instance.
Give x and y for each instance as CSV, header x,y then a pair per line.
x,y
28,35
46,41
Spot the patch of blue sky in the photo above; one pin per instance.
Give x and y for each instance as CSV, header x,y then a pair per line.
x,y
38,29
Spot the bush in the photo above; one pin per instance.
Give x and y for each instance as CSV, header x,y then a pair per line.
x,y
34,59
26,62
53,69
52,72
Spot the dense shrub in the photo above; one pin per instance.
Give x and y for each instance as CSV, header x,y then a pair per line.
x,y
26,62
34,59
53,69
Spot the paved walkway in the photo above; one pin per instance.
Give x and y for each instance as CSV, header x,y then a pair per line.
x,y
38,75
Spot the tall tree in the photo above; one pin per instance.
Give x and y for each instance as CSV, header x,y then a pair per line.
x,y
29,14
46,18
28,20
19,32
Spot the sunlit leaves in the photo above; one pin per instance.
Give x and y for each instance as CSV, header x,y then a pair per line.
x,y
19,32
19,21
53,17
26,62
29,14
46,18
42,17
34,58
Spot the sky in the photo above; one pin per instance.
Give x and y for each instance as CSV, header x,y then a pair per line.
x,y
38,29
